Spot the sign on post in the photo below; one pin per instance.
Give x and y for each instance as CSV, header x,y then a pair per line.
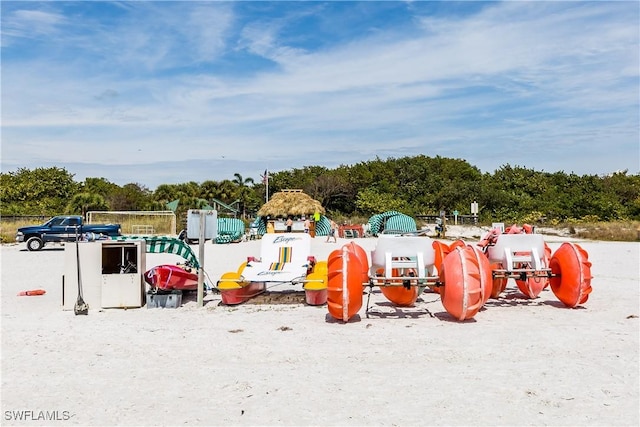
x,y
203,225
474,211
210,224
474,208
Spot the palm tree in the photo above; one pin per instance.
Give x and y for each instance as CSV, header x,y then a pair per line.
x,y
238,180
243,190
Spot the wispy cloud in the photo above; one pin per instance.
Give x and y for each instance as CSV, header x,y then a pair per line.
x,y
31,24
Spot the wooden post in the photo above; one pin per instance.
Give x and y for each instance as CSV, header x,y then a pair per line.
x,y
201,259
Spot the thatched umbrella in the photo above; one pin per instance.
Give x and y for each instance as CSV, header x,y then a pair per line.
x,y
290,202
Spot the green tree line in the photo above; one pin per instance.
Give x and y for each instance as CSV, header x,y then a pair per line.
x,y
413,185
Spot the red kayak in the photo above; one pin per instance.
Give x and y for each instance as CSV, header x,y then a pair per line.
x,y
169,277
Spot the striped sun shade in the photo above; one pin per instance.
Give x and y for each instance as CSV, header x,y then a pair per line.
x,y
229,230
169,245
392,222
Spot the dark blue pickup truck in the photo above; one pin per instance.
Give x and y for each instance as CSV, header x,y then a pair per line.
x,y
62,229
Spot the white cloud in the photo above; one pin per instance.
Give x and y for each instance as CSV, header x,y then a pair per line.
x,y
30,24
533,77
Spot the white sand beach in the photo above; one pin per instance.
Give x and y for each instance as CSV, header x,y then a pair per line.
x,y
518,362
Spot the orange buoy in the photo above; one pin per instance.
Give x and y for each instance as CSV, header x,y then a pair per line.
x,y
442,250
344,288
571,269
32,292
466,274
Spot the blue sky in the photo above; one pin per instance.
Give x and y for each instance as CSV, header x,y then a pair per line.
x,y
170,92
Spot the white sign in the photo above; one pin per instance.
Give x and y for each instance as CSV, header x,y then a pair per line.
x,y
210,224
474,208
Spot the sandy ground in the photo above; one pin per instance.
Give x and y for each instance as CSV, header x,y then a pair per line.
x,y
518,362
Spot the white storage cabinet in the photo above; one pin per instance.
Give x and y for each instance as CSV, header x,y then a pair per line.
x,y
111,273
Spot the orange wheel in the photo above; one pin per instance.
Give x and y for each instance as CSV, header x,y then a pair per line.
x,y
467,282
547,258
571,269
344,288
532,287
361,254
499,283
399,295
442,250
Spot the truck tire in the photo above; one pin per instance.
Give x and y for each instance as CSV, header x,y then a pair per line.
x,y
34,243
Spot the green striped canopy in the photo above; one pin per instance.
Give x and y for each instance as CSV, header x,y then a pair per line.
x,y
260,224
229,230
392,222
169,245
323,226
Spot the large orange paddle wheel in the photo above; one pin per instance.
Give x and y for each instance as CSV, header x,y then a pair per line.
x,y
571,279
466,274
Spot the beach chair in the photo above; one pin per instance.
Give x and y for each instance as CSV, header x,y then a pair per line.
x,y
284,257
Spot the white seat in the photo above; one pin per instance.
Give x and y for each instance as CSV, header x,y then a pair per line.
x,y
397,251
264,269
511,249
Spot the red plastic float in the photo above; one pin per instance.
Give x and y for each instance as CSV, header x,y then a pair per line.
x,y
33,292
169,277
